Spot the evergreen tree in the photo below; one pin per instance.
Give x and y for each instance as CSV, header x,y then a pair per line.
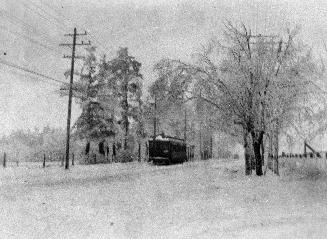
x,y
94,124
125,86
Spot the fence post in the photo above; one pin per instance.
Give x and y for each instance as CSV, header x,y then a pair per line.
x,y
73,159
4,159
44,161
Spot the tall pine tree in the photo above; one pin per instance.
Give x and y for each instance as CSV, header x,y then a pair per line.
x,y
94,124
124,81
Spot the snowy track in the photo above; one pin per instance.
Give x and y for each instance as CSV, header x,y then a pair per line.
x,y
208,199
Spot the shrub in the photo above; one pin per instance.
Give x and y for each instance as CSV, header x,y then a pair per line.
x,y
308,170
311,171
93,158
236,156
125,156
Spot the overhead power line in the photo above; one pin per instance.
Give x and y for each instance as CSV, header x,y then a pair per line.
x,y
31,40
72,23
19,23
21,74
58,22
4,62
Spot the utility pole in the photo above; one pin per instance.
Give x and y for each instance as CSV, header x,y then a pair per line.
x,y
201,127
155,118
276,169
185,126
74,35
154,126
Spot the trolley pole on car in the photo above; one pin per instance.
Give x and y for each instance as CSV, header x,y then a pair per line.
x,y
74,35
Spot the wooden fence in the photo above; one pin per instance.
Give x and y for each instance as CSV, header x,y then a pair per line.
x,y
317,160
46,161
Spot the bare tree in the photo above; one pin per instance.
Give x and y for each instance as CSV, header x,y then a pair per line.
x,y
251,81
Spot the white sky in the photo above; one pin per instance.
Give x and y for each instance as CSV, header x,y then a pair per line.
x,y
150,29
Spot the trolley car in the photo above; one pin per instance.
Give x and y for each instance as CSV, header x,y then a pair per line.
x,y
167,150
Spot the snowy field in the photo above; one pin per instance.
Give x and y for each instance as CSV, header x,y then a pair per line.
x,y
207,199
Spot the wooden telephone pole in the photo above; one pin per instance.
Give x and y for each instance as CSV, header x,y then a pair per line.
x,y
155,118
201,127
154,125
74,35
185,125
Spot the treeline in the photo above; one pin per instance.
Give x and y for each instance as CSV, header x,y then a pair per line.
x,y
32,145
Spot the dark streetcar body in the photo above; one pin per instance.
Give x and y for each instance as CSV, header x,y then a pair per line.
x,y
167,150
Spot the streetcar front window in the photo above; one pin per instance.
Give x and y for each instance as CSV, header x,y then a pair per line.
x,y
163,147
159,149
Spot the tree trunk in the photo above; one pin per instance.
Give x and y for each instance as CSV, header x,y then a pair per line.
x,y
126,133
87,148
276,146
263,153
247,156
114,152
126,123
257,141
252,159
139,151
250,152
277,166
258,159
101,147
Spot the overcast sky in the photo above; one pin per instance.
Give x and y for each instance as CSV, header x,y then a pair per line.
x,y
150,29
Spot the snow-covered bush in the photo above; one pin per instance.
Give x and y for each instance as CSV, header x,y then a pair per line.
x,y
308,169
93,158
125,156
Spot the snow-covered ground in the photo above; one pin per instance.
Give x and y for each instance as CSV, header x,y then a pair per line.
x,y
207,199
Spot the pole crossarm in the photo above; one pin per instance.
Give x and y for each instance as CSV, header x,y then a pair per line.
x,y
77,34
76,44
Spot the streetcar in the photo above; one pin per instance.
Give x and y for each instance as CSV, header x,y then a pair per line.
x,y
167,150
